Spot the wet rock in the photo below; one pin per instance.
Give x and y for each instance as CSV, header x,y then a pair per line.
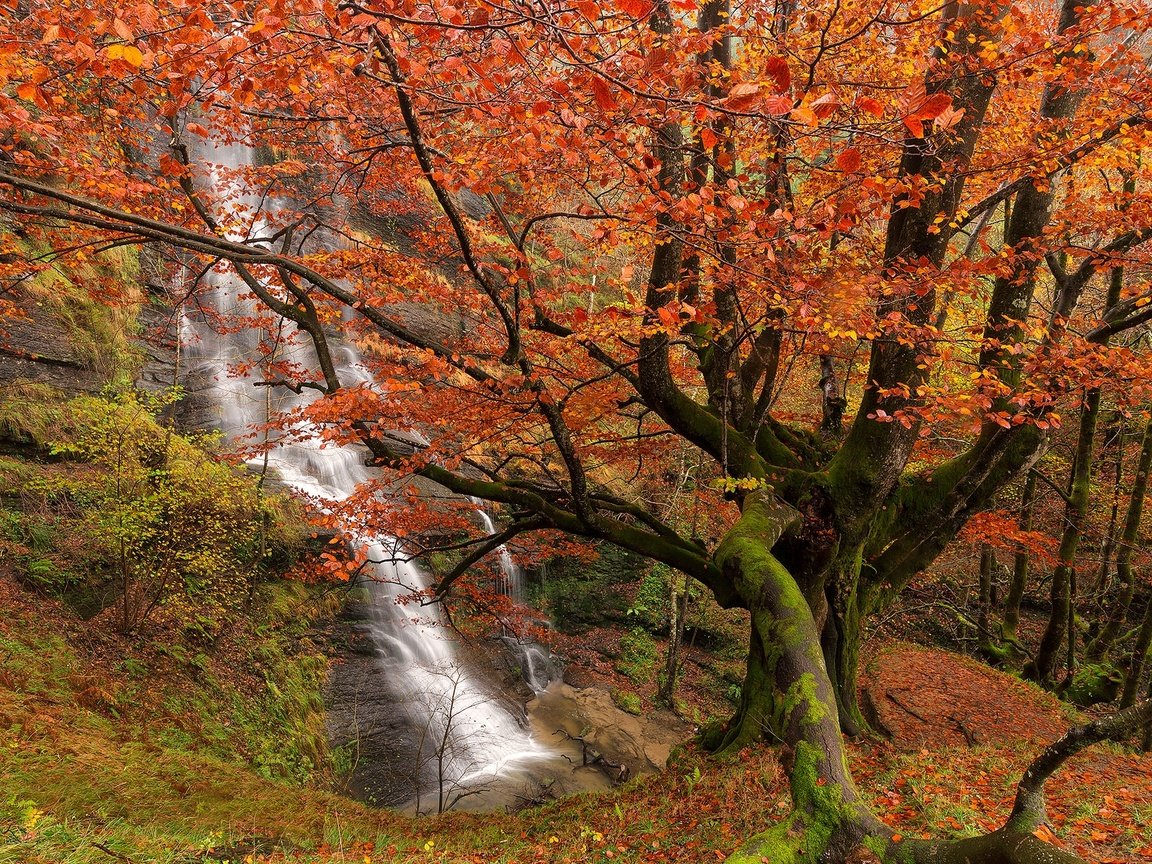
x,y
643,744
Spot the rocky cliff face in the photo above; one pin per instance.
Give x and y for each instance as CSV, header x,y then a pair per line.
x,y
42,346
38,348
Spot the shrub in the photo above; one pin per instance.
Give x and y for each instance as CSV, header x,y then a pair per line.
x,y
169,524
581,594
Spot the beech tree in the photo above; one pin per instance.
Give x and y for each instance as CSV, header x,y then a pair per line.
x,y
847,251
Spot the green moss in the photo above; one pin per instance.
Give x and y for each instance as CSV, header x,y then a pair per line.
x,y
29,414
1094,684
626,701
808,832
781,844
803,694
638,655
97,297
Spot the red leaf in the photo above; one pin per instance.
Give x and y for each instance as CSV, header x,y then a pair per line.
x,y
848,160
933,106
742,95
871,106
588,9
776,68
603,94
668,318
777,105
825,106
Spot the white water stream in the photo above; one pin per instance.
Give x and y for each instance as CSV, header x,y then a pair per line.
x,y
466,738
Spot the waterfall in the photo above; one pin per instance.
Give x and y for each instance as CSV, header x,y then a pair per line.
x,y
511,581
537,666
461,738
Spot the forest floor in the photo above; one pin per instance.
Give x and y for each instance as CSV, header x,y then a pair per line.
x,y
89,775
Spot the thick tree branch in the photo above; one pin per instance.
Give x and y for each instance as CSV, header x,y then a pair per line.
x,y
106,218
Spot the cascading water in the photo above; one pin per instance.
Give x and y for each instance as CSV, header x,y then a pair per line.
x,y
457,740
511,581
537,666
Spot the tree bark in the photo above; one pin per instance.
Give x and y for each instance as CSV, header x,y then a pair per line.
x,y
984,602
1075,512
1011,620
1129,537
1135,674
787,693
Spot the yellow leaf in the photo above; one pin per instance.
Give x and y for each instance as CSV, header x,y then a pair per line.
x,y
133,56
114,52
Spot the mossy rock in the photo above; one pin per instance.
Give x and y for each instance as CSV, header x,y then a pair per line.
x,y
1094,684
629,702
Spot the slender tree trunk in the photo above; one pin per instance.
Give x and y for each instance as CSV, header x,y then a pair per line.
x,y
984,602
1135,676
1146,739
1129,537
1108,548
1075,511
678,613
1011,620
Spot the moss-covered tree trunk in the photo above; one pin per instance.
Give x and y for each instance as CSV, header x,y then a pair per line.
x,y
1010,623
1075,512
1129,537
850,603
789,697
984,600
1136,663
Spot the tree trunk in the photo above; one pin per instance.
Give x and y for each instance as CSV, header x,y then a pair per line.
x,y
985,644
788,696
1118,610
1075,511
1108,547
848,630
1139,657
677,618
1011,621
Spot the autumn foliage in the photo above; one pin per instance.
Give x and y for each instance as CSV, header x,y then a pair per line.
x,y
852,262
